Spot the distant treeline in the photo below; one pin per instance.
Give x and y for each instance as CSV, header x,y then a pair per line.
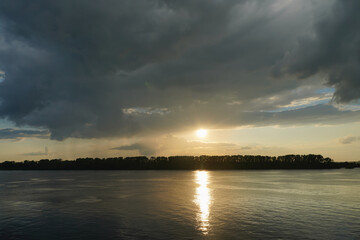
x,y
310,161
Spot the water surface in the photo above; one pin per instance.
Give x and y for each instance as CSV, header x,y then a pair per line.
x,y
286,204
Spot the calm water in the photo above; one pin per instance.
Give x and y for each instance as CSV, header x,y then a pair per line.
x,y
54,205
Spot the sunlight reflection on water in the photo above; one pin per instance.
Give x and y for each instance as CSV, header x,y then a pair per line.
x,y
203,200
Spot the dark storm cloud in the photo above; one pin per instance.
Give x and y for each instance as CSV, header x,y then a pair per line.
x,y
333,49
16,134
79,67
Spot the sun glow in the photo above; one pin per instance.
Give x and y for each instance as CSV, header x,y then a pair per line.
x,y
201,133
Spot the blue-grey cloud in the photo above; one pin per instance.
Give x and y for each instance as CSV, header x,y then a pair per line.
x,y
16,134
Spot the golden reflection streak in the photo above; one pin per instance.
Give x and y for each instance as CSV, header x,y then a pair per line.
x,y
203,199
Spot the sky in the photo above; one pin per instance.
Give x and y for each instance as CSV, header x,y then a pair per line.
x,y
86,78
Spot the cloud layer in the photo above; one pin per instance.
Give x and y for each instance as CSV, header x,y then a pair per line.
x,y
349,139
122,68
174,145
17,134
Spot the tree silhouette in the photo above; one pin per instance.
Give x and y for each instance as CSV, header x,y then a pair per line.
x,y
225,162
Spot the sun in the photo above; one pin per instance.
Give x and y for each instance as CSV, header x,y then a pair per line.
x,y
201,133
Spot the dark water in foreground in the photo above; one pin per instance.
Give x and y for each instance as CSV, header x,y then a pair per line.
x,y
313,204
